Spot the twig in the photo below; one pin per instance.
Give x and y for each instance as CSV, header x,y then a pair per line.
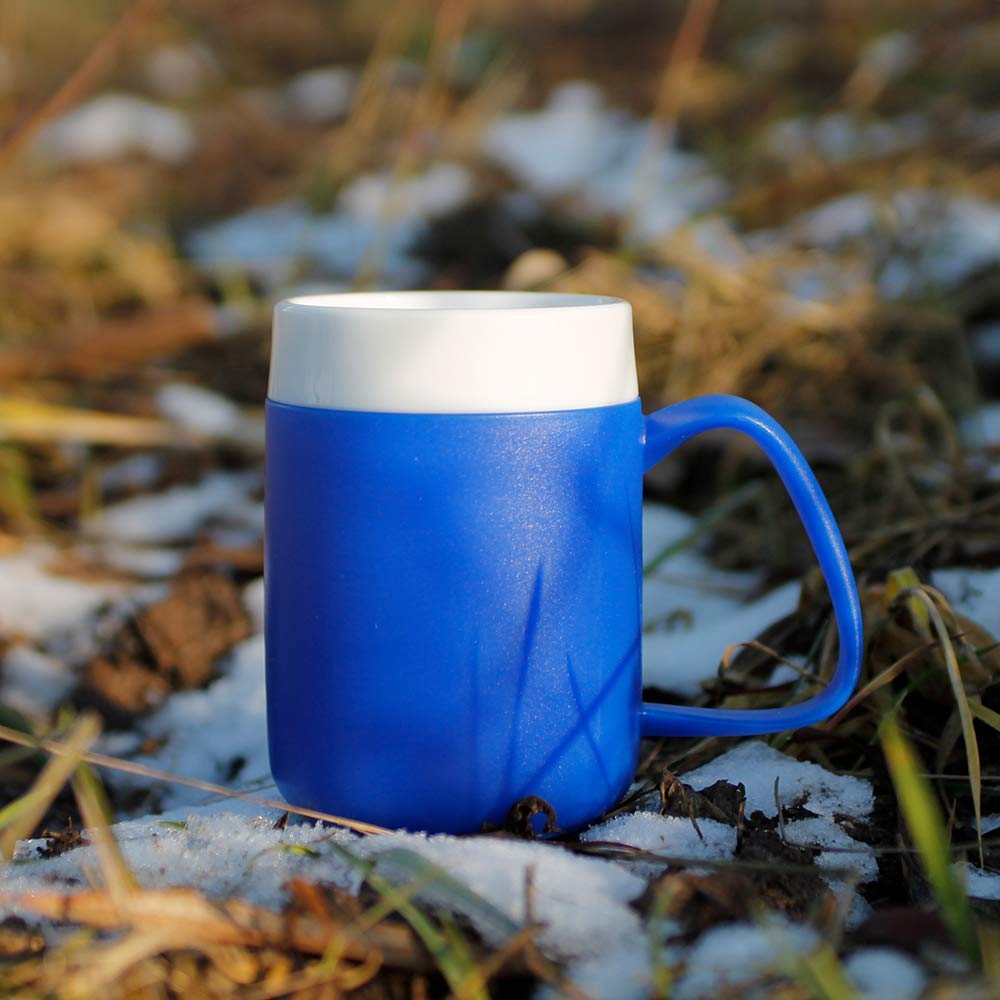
x,y
674,86
83,79
131,767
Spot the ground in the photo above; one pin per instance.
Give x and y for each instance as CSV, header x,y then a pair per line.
x,y
800,206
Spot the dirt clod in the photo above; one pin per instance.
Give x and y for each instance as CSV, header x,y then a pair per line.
x,y
173,644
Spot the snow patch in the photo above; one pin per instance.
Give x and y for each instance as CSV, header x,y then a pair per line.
x,y
672,836
31,682
322,94
222,855
974,593
979,884
727,956
197,409
885,972
581,902
374,210
114,125
173,515
938,239
840,137
577,146
180,72
680,659
756,766
197,745
35,603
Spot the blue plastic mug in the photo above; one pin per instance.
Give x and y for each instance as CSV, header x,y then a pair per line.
x,y
454,565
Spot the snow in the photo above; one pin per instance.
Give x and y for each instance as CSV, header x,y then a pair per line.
x,y
670,836
845,851
180,72
577,146
253,601
198,409
113,125
197,745
727,956
680,659
885,972
939,239
693,611
31,681
974,593
981,428
173,515
35,603
979,883
223,855
756,765
374,212
135,472
143,561
619,973
839,137
322,94
582,902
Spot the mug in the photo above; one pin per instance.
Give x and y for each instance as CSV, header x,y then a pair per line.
x,y
453,556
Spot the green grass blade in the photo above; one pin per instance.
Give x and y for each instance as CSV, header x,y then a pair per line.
x,y
821,974
984,714
923,818
19,818
933,616
454,961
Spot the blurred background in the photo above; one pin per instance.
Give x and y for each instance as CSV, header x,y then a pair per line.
x,y
797,198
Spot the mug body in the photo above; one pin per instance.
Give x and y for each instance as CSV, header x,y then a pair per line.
x,y
453,611
453,556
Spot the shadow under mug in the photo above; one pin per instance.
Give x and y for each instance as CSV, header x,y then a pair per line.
x,y
453,556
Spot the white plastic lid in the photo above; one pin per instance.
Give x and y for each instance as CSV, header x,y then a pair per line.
x,y
453,352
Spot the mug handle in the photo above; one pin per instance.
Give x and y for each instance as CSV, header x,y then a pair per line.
x,y
664,431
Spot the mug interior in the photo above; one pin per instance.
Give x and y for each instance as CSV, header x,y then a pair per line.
x,y
448,301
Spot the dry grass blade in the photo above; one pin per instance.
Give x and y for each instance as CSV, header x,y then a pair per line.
x,y
879,681
113,345
96,815
933,613
130,767
83,78
204,924
30,421
926,825
19,818
821,974
673,91
451,952
984,714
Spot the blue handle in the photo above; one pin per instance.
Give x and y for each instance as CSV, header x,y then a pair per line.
x,y
665,430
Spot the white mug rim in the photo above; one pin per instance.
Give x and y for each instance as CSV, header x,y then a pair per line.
x,y
449,301
452,351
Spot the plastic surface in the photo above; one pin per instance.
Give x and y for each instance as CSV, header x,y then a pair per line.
x,y
452,612
669,428
453,607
